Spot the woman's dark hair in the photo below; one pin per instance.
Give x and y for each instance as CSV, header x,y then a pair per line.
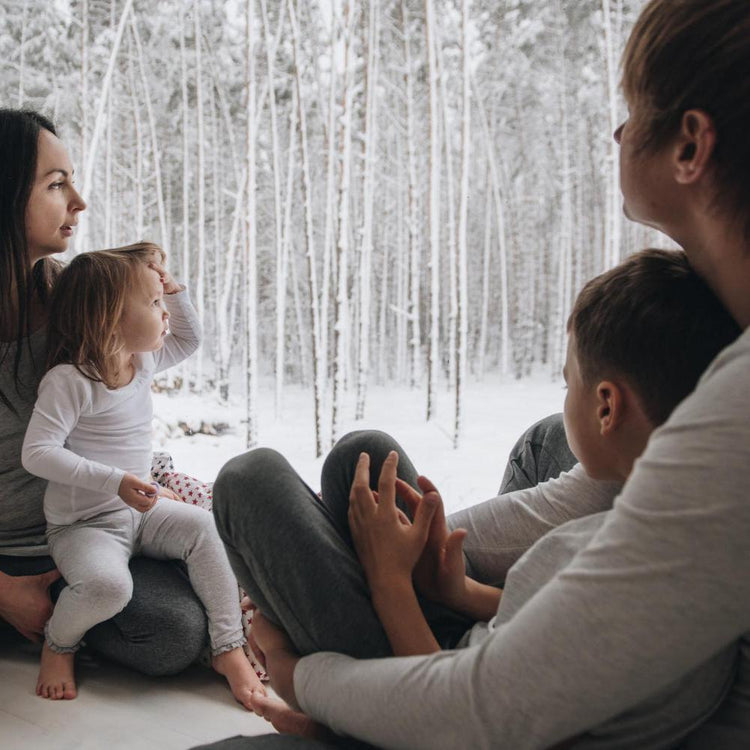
x,y
19,282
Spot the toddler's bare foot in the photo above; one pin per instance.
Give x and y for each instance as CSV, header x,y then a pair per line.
x,y
240,675
56,679
288,721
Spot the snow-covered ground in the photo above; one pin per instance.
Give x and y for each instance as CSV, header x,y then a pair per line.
x,y
496,412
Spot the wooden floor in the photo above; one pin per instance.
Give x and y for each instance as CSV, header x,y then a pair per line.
x,y
117,709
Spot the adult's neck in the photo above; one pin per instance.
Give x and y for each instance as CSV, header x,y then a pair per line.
x,y
720,252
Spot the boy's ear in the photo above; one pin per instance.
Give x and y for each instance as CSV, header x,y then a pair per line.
x,y
694,146
610,406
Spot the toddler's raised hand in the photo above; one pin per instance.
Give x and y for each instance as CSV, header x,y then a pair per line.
x,y
169,284
136,493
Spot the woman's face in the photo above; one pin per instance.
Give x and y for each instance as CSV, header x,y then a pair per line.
x,y
54,204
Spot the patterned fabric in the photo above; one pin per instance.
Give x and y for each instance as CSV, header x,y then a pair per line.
x,y
193,491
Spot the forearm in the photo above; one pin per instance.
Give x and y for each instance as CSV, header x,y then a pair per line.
x,y
501,529
55,463
480,600
403,620
184,331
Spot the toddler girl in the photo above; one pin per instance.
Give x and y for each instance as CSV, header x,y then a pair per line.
x,y
90,436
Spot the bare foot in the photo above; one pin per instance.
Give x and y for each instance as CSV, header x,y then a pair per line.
x,y
288,721
56,679
240,675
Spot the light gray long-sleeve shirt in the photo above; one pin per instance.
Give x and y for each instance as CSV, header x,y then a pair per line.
x,y
76,417
659,590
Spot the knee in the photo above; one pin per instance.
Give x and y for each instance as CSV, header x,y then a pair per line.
x,y
107,594
245,470
549,429
243,484
373,442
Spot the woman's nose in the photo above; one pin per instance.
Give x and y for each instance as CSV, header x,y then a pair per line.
x,y
76,202
617,135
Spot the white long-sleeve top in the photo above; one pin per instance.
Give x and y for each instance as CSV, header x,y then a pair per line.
x,y
659,590
84,437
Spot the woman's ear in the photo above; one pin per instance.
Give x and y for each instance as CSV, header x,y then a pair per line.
x,y
610,408
694,146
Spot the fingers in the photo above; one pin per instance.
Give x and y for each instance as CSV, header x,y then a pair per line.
x,y
423,516
454,545
361,499
426,485
409,495
387,480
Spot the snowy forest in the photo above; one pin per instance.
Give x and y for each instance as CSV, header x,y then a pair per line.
x,y
356,192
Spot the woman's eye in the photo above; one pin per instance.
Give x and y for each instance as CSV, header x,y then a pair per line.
x,y
57,185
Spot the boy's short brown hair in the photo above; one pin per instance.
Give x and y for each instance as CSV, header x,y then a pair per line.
x,y
653,321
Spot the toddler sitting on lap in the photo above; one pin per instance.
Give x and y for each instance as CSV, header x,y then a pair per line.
x,y
90,437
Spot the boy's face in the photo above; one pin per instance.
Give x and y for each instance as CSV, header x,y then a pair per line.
x,y
582,426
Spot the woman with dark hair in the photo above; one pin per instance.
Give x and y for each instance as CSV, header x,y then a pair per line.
x,y
657,592
39,208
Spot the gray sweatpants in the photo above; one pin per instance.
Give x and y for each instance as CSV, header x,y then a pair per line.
x,y
93,557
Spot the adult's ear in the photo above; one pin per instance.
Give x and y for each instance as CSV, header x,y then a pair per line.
x,y
694,147
610,406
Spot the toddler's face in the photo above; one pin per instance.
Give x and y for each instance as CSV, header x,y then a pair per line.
x,y
144,319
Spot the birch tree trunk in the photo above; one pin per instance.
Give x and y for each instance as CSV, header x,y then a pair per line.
x,y
251,290
22,55
370,155
413,221
277,217
343,231
463,212
84,79
500,216
614,217
309,235
452,257
200,302
330,208
186,366
433,356
155,152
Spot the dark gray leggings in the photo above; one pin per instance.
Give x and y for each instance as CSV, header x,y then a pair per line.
x,y
160,632
292,551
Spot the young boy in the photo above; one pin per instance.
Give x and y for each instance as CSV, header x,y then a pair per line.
x,y
640,336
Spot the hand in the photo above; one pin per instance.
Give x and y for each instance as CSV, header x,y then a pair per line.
x,y
440,572
387,543
166,492
169,284
25,602
136,493
275,651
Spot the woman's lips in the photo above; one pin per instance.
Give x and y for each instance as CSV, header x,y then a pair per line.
x,y
66,230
